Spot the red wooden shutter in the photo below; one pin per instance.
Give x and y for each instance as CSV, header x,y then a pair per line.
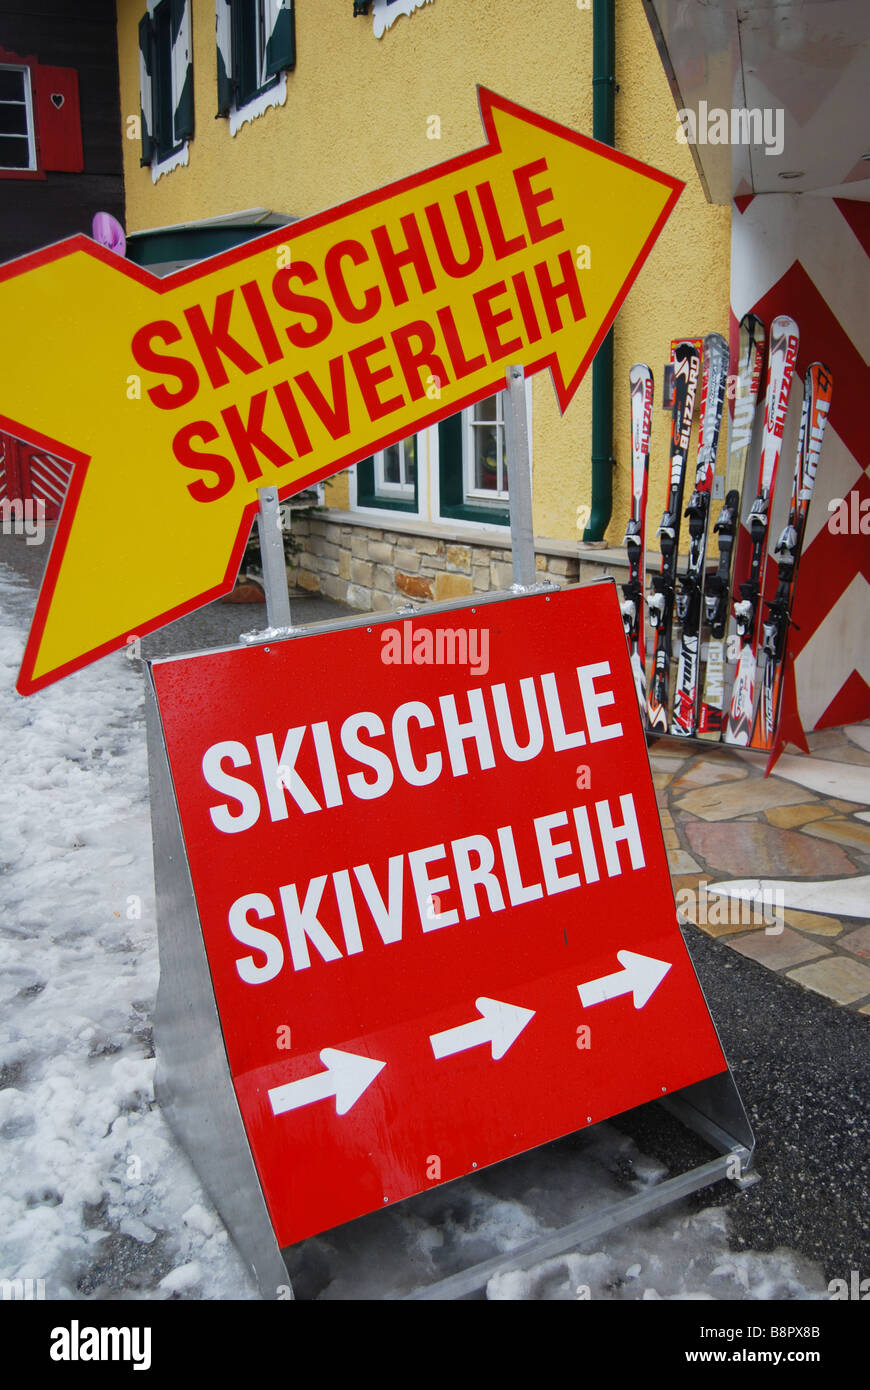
x,y
58,119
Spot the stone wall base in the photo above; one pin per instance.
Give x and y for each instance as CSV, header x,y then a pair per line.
x,y
376,570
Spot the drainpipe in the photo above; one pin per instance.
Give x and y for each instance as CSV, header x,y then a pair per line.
x,y
603,89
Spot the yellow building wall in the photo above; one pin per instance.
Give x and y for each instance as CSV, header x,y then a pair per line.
x,y
683,289
357,116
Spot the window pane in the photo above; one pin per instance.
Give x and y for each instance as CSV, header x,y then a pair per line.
x,y
262,40
13,119
11,84
162,81
252,22
488,448
392,466
411,461
486,410
14,152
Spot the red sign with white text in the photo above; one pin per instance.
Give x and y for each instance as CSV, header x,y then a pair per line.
x,y
434,894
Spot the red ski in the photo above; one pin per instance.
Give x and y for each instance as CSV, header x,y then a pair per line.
x,y
641,382
784,341
818,386
753,339
661,600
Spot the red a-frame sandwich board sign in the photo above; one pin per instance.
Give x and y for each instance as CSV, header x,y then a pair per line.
x,y
404,864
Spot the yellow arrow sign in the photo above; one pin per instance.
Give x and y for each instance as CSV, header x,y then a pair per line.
x,y
291,357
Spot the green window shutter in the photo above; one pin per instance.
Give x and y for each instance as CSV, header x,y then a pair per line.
x,y
224,41
365,483
146,73
450,462
454,503
162,104
182,71
244,41
240,40
367,495
281,45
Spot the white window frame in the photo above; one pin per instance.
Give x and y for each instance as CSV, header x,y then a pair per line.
x,y
32,166
386,513
476,495
428,487
401,490
261,42
480,497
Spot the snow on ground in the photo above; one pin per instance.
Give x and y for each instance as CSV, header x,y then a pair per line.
x,y
96,1197
686,1258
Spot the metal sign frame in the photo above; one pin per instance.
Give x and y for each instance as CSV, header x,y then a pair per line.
x,y
194,1087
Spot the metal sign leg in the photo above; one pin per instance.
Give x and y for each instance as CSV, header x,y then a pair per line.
x,y
519,469
272,555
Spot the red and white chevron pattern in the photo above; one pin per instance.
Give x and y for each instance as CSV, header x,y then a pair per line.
x,y
48,480
809,257
5,464
32,475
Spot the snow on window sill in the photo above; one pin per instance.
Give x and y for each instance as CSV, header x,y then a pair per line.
x,y
275,96
173,161
384,14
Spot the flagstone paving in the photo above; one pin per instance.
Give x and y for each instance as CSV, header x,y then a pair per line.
x,y
785,839
682,863
845,981
826,738
726,800
860,734
848,753
781,950
858,942
813,922
706,773
845,832
661,762
769,852
789,816
844,779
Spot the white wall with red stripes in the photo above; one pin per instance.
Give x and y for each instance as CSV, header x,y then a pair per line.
x,y
809,256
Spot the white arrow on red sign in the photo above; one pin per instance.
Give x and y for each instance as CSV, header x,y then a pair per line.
x,y
347,1075
640,976
500,1024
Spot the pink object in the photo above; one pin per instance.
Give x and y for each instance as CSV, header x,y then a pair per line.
x,y
108,231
